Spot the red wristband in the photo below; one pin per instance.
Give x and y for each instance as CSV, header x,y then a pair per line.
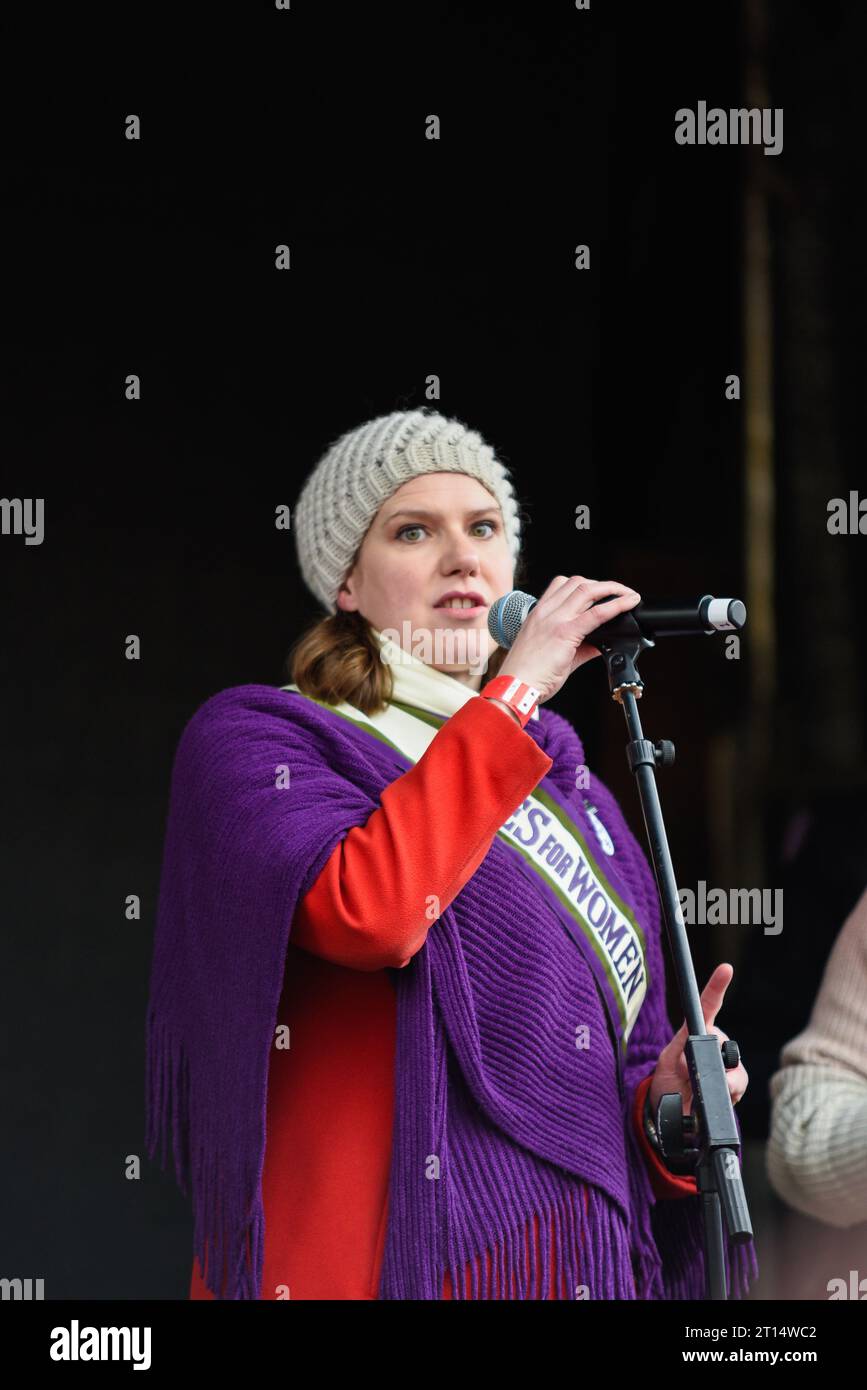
x,y
515,693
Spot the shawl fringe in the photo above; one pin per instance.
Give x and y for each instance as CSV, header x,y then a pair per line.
x,y
228,1217
484,1136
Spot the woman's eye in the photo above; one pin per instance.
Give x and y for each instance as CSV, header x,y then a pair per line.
x,y
418,527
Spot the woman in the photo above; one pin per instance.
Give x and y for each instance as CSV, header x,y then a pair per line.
x,y
407,1018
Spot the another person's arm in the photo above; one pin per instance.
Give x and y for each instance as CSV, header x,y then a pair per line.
x,y
817,1146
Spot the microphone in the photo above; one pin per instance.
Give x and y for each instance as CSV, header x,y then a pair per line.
x,y
662,618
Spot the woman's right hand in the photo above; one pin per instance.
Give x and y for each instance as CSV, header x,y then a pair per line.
x,y
552,641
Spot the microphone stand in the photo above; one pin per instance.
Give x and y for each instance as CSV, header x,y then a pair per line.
x,y
711,1128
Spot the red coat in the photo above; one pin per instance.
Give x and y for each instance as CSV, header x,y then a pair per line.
x,y
331,1093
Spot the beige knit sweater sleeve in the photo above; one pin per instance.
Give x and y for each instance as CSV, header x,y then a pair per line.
x,y
817,1147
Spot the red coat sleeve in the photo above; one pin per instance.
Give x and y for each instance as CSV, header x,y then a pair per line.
x,y
664,1183
373,904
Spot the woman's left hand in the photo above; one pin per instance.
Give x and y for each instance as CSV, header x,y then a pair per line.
x,y
672,1073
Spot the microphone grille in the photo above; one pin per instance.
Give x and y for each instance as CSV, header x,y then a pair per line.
x,y
506,615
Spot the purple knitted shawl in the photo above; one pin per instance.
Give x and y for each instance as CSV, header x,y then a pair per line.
x,y
499,1116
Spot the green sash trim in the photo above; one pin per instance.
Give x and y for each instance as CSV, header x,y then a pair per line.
x,y
578,867
625,989
436,720
362,723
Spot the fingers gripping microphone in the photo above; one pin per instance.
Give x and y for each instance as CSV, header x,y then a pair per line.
x,y
666,618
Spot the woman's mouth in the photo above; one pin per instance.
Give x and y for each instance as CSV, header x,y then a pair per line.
x,y
462,610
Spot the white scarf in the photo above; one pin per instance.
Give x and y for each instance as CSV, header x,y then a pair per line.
x,y
416,684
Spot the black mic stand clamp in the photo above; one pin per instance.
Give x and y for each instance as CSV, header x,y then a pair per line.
x,y
705,1142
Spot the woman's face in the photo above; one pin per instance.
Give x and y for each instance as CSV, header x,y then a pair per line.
x,y
437,533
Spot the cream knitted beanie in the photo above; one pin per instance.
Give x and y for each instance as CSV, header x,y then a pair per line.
x,y
362,468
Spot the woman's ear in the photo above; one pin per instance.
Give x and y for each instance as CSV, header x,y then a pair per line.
x,y
346,600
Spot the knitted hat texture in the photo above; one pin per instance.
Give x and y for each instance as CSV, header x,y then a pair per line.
x,y
361,469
